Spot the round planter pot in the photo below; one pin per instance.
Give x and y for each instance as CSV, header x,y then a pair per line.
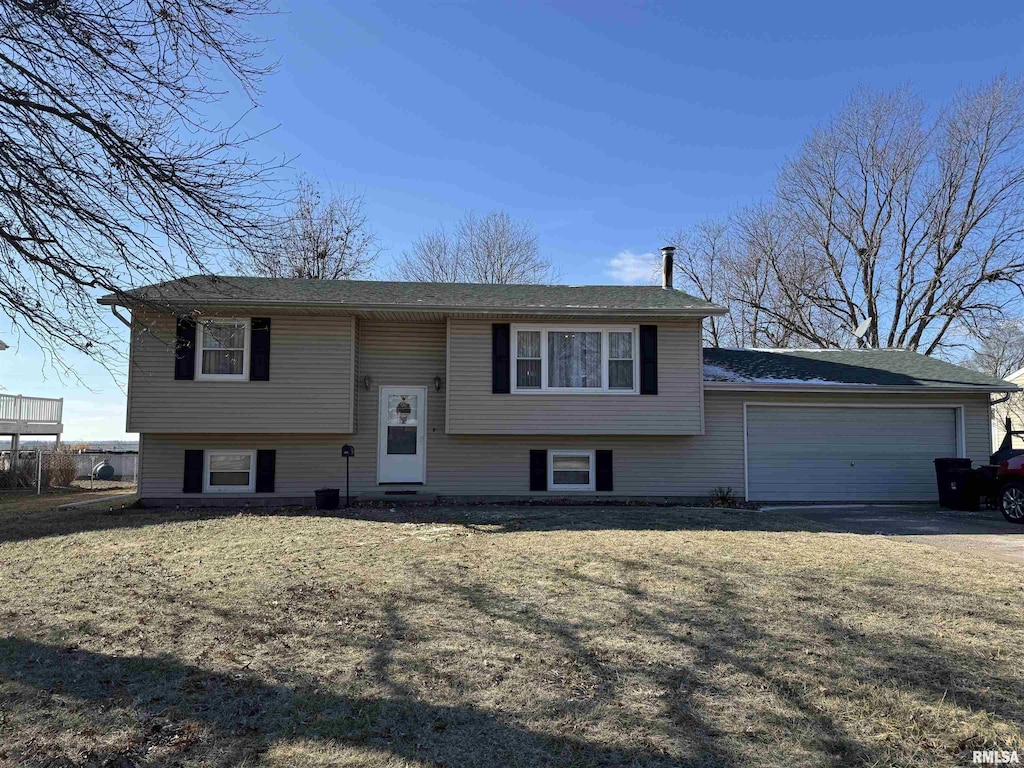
x,y
328,498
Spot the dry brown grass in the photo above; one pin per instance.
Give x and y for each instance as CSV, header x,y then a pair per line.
x,y
14,505
497,637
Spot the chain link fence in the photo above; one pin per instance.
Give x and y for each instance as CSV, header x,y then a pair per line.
x,y
64,467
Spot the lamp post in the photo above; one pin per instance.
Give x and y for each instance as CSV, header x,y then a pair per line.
x,y
348,452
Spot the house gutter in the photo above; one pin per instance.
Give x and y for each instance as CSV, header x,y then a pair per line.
x,y
425,309
752,386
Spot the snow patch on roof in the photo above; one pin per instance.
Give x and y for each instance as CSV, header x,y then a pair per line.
x,y
718,373
783,350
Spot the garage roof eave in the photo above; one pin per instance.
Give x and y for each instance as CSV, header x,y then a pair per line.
x,y
755,386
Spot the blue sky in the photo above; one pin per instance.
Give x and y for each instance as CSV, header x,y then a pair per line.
x,y
605,125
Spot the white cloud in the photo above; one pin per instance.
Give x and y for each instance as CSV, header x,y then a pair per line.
x,y
634,268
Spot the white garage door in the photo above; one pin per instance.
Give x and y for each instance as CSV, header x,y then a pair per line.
x,y
846,454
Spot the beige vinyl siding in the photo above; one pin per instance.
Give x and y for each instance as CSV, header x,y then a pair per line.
x,y
310,387
474,409
413,354
478,465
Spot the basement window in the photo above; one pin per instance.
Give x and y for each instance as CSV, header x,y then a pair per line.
x,y
570,470
229,471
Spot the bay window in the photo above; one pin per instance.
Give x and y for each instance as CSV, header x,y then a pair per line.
x,y
570,358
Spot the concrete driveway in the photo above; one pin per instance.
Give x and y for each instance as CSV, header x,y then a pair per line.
x,y
984,534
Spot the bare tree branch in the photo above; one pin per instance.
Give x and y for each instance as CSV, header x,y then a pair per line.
x,y
492,249
316,239
110,175
917,225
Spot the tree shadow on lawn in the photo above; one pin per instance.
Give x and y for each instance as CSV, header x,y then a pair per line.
x,y
726,681
248,715
784,664
721,637
492,519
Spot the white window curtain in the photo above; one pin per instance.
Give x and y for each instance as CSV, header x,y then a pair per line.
x,y
574,359
620,360
528,360
224,348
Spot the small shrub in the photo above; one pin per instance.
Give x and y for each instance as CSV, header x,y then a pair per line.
x,y
722,496
25,475
61,467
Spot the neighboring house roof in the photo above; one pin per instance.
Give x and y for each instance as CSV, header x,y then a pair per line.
x,y
3,346
867,369
1017,377
445,297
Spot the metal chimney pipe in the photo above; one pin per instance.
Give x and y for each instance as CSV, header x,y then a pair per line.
x,y
668,256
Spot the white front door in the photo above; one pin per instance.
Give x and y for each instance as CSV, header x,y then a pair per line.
x,y
401,435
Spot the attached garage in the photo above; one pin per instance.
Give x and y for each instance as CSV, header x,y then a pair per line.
x,y
848,453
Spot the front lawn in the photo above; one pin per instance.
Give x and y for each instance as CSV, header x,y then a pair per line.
x,y
497,636
13,504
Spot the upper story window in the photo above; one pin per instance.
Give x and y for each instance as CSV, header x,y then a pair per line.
x,y
571,358
224,348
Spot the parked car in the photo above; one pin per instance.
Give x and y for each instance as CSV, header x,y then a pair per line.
x,y
1010,479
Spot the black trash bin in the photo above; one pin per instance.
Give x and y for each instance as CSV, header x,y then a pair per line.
x,y
328,498
956,481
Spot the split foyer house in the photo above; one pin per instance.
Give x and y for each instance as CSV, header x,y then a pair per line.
x,y
248,389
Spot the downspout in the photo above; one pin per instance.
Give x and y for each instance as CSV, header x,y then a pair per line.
x,y
113,310
1007,442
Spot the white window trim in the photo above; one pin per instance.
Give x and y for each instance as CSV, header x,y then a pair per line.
x,y
604,331
591,486
200,331
207,488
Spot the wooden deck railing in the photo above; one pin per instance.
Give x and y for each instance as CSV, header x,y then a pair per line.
x,y
31,411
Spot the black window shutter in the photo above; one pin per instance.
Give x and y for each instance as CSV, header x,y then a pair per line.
x,y
538,470
193,472
603,471
185,350
501,362
259,352
648,359
265,462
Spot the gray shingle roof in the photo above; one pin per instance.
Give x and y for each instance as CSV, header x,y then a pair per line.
x,y
868,367
436,296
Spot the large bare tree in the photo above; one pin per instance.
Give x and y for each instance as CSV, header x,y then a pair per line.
x,y
317,238
492,249
111,173
913,224
735,263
